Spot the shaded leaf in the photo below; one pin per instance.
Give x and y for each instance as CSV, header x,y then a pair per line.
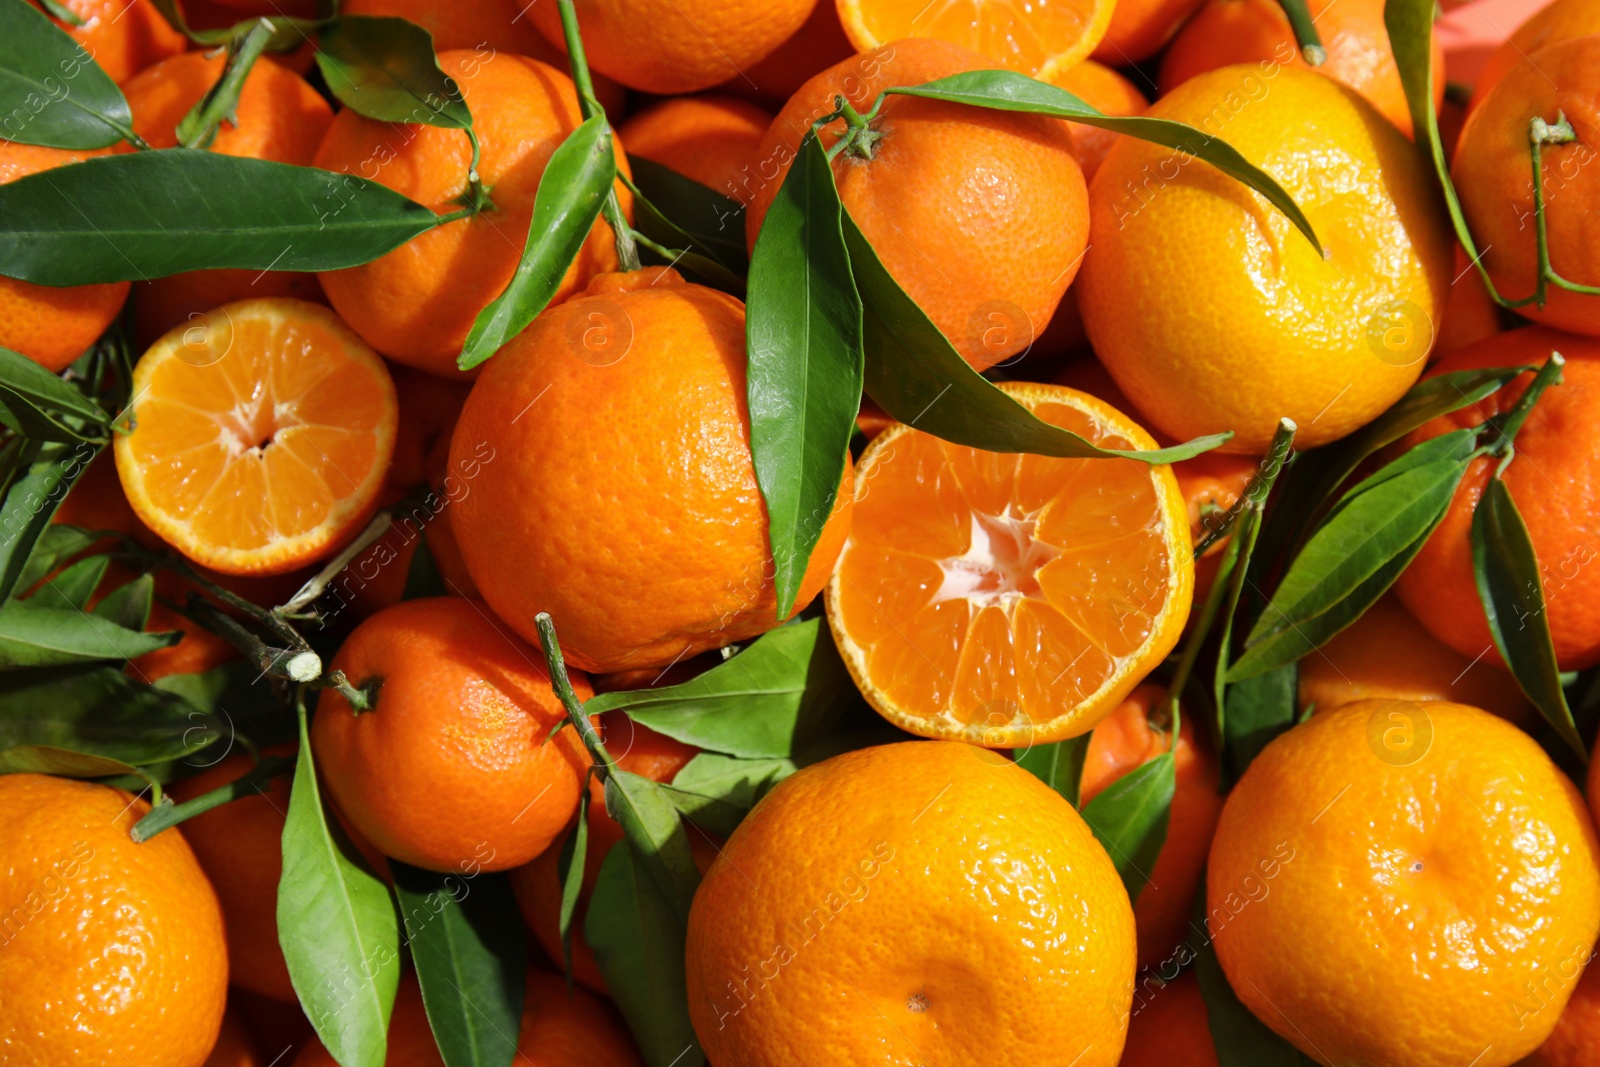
x,y
574,857
51,90
719,816
32,636
38,404
1259,709
150,214
1129,817
739,782
385,68
47,470
57,543
128,605
685,214
652,827
471,951
571,191
66,763
785,688
1058,765
98,712
71,588
422,574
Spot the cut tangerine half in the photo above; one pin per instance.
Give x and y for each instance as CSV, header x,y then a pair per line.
x,y
1009,600
1037,37
258,436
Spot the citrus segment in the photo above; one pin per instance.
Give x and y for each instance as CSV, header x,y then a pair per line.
x,y
1008,599
259,440
1033,36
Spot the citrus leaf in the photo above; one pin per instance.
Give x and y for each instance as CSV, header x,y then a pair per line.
x,y
718,816
71,588
52,92
58,10
574,857
638,937
38,404
422,574
33,636
1006,90
471,951
734,781
57,543
1240,1038
100,712
337,926
785,688
571,191
146,215
680,209
1258,709
47,470
917,376
385,68
650,824
803,331
1507,573
237,695
1129,817
46,759
1058,765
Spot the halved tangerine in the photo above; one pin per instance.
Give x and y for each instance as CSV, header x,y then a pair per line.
x,y
1038,37
259,436
1008,600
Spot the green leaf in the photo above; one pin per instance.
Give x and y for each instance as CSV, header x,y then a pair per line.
x,y
739,782
917,376
70,590
237,695
58,10
99,712
57,543
385,68
1240,1038
638,937
681,212
51,90
471,951
1507,573
1129,817
422,575
65,763
719,816
1006,90
128,605
337,926
33,636
803,328
650,823
782,690
48,470
38,404
571,191
1058,765
574,856
150,214
1259,709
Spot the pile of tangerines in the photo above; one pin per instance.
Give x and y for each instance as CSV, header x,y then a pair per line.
x,y
637,532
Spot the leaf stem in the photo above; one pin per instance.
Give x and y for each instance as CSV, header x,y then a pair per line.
x,y
1305,32
1256,489
622,233
253,781
289,664
562,684
199,127
1502,429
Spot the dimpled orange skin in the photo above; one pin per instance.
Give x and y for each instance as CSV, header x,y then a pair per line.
x,y
113,951
820,42
972,211
451,766
239,846
1560,21
922,902
1209,308
1493,173
1575,1042
667,47
51,325
1170,1027
626,504
1428,913
123,36
1225,32
1124,741
712,139
1554,479
1103,88
417,303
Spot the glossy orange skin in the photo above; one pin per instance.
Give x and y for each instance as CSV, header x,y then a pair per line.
x,y
1170,1027
96,926
417,303
638,750
559,1029
123,36
1224,32
1139,29
1551,24
1575,1042
994,201
235,1046
1493,173
52,325
1124,741
1554,482
671,558
711,139
819,43
240,847
450,769
1103,88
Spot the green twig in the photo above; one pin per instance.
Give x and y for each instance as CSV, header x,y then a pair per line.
x,y
603,763
199,127
1305,32
627,250
289,664
253,782
1501,431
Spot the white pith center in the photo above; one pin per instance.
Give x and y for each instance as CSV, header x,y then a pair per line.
x,y
1001,563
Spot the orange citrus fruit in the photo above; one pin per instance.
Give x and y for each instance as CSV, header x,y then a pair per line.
x,y
1493,173
1553,479
1391,879
1131,736
889,905
1013,248
1575,1042
1141,28
711,139
112,952
1107,91
820,42
1225,32
1034,36
666,47
1009,600
1387,653
1170,1027
51,325
450,766
1551,24
1209,308
258,440
123,36
675,560
240,848
1470,313
417,303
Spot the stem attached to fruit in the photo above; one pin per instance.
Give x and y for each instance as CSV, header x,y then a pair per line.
x,y
165,816
627,249
1502,429
603,763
